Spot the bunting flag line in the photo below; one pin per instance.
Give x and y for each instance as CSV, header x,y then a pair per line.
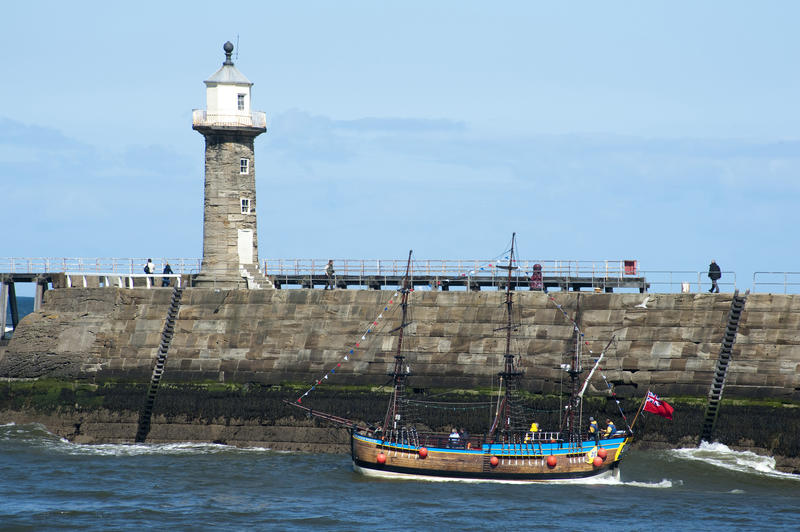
x,y
490,264
370,328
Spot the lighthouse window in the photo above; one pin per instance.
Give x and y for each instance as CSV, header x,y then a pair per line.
x,y
245,205
244,166
240,101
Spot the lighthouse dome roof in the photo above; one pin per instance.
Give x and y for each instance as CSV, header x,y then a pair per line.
x,y
228,73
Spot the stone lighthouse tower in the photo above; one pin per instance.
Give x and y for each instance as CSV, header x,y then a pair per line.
x,y
230,240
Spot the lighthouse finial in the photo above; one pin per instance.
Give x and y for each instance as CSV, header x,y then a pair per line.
x,y
228,47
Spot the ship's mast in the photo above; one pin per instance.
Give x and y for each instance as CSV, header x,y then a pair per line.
x,y
510,375
400,373
575,370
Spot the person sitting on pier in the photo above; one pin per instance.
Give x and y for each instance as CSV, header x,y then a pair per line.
x,y
610,429
455,439
537,282
594,431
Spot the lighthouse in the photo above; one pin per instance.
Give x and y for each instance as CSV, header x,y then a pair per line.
x,y
230,127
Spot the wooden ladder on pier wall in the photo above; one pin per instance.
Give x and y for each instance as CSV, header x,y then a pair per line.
x,y
721,370
158,370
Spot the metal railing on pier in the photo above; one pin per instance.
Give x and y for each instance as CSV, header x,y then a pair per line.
x,y
96,265
598,275
121,280
450,268
454,274
687,281
776,282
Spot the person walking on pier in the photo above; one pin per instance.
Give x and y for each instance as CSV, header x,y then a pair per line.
x,y
167,271
150,268
329,271
714,274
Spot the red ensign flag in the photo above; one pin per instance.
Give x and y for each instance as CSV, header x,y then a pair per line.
x,y
657,406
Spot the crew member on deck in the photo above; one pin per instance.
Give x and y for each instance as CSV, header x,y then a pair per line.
x,y
533,430
594,431
610,428
455,439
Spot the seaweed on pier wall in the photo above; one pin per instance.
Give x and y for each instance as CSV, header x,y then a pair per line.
x,y
763,427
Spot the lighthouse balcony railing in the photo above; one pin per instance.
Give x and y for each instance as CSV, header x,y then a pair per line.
x,y
202,118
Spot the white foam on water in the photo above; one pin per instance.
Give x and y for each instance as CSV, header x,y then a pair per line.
x,y
609,478
655,485
143,449
722,456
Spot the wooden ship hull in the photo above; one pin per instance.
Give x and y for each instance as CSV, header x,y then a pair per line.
x,y
541,460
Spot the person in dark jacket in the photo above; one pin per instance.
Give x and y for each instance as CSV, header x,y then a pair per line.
x,y
714,274
167,271
329,271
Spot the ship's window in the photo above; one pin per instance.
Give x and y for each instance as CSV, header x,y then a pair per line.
x,y
240,102
245,205
244,166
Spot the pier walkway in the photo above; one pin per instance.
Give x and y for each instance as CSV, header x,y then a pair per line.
x,y
602,276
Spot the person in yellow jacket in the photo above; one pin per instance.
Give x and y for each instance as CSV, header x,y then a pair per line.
x,y
610,428
529,435
594,431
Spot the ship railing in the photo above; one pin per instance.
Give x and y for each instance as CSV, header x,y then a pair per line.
x,y
776,282
442,440
543,436
116,280
202,118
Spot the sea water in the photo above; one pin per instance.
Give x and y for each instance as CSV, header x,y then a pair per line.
x,y
49,483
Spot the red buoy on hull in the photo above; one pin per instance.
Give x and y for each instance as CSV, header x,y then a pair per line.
x,y
381,459
423,452
552,461
494,461
602,453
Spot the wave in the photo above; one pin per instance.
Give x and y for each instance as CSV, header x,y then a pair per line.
x,y
722,456
159,449
36,435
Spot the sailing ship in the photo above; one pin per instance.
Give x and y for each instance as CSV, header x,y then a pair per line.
x,y
514,449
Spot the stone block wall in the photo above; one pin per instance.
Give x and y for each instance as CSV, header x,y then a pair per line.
x,y
275,336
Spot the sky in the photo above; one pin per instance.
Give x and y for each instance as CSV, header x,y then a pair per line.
x,y
663,132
